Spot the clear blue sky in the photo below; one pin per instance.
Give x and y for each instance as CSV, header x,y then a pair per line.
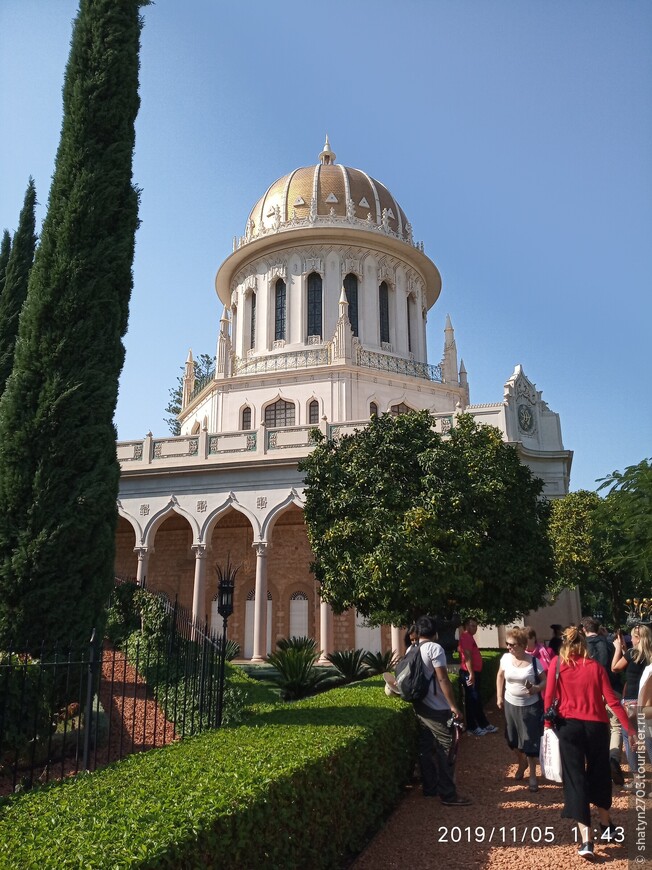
x,y
516,134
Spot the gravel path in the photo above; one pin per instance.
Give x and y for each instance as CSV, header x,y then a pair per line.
x,y
421,831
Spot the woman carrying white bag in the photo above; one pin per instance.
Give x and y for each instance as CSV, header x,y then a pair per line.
x,y
582,687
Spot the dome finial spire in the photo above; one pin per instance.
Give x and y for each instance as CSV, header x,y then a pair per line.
x,y
327,156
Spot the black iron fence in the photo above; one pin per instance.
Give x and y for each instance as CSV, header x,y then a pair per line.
x,y
68,710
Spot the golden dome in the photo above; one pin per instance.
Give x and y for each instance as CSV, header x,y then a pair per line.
x,y
315,193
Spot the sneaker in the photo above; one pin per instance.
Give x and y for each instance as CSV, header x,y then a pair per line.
x,y
477,732
490,729
608,832
616,772
586,851
457,801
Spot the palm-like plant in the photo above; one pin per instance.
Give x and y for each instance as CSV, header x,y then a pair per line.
x,y
297,674
379,663
307,643
350,663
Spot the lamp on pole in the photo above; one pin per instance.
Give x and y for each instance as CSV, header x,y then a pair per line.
x,y
225,609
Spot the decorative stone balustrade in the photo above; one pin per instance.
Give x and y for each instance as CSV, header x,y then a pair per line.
x,y
242,447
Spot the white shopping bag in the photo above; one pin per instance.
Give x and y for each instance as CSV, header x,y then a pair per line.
x,y
549,756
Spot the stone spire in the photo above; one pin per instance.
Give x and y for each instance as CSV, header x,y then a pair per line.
x,y
327,156
343,335
449,360
224,349
464,382
188,380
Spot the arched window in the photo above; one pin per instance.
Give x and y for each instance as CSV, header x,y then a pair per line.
x,y
281,413
252,324
383,310
409,323
246,418
313,412
279,310
314,304
351,290
373,409
402,408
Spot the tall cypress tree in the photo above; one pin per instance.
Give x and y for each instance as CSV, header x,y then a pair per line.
x,y
5,250
58,468
16,277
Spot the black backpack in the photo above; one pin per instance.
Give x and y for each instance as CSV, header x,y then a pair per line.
x,y
412,681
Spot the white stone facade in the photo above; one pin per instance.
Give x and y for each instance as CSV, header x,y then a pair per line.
x,y
324,323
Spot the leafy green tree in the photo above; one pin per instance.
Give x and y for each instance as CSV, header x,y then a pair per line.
x,y
58,468
204,368
630,494
587,535
5,250
15,289
404,521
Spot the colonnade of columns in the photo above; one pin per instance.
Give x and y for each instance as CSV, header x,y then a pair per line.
x,y
260,608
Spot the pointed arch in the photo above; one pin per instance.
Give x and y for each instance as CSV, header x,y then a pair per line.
x,y
292,498
217,513
173,507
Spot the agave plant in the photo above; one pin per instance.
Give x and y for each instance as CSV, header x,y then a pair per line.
x,y
297,674
350,663
379,663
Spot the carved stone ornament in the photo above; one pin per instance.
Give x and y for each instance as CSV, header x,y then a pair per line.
x,y
312,264
144,510
525,416
202,505
352,264
261,502
278,270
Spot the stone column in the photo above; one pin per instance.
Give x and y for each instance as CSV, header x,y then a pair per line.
x,y
398,646
141,571
260,604
199,586
325,630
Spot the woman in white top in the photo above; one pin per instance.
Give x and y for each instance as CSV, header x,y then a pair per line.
x,y
519,685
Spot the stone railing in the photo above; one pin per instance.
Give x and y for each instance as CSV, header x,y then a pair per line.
x,y
397,365
313,357
242,447
329,220
282,362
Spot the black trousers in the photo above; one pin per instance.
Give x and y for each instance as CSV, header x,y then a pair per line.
x,y
475,715
584,750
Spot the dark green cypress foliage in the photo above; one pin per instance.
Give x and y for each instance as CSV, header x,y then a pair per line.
x,y
15,289
58,468
5,250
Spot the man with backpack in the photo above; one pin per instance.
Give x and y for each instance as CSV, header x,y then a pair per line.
x,y
436,711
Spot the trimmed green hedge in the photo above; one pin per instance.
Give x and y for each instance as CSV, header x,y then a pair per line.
x,y
303,785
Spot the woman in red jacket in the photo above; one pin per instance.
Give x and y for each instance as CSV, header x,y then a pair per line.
x,y
583,687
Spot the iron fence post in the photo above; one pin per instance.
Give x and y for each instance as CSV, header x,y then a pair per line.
x,y
220,684
88,714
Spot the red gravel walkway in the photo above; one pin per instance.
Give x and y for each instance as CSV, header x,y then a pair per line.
x,y
421,832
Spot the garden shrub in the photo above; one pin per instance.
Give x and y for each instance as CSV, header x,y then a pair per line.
x,y
350,663
25,705
297,675
379,662
304,785
300,643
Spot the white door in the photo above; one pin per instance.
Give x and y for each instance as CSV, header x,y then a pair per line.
x,y
366,637
249,627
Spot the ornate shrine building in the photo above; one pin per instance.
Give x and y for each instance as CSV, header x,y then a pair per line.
x,y
325,299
